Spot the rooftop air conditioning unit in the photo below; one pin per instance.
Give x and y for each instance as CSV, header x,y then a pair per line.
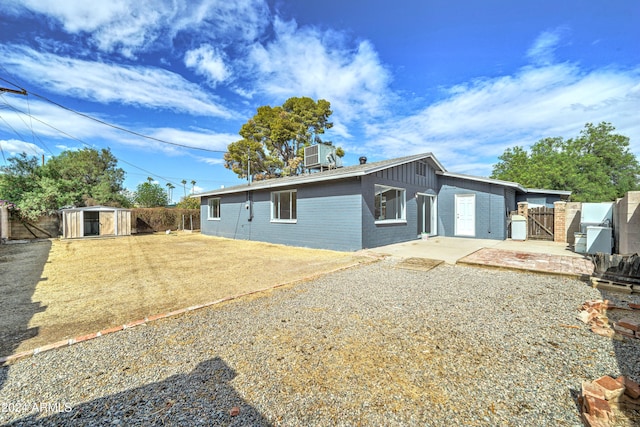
x,y
321,156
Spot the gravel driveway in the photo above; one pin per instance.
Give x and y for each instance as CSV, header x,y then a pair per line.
x,y
372,345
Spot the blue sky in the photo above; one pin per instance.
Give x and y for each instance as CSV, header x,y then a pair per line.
x,y
461,79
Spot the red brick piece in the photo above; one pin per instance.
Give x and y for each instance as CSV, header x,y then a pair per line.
x,y
588,389
634,306
631,388
591,421
599,408
629,323
111,330
611,388
235,411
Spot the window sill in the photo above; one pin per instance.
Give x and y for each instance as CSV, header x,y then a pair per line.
x,y
213,219
391,221
284,221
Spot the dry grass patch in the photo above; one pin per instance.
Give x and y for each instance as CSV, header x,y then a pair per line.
x,y
88,285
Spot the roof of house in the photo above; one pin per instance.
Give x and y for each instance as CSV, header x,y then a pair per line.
x,y
366,169
94,208
515,185
484,179
545,191
328,175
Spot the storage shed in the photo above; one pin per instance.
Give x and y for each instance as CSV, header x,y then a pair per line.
x,y
95,221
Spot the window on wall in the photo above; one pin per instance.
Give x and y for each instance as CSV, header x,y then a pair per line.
x,y
214,208
284,206
389,203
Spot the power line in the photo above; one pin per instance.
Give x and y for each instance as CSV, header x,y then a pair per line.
x,y
153,138
83,143
23,91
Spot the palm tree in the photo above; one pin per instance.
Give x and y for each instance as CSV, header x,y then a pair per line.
x,y
168,184
171,187
184,186
149,179
193,186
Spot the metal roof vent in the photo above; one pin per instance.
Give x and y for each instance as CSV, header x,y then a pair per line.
x,y
363,160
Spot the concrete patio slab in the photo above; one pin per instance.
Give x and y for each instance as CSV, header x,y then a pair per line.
x,y
531,262
529,255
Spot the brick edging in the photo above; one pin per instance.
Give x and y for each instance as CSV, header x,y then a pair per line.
x,y
12,358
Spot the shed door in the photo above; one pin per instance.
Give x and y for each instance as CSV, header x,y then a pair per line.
x,y
465,215
107,224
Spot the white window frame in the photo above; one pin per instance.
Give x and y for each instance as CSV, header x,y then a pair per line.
x,y
380,205
276,206
211,213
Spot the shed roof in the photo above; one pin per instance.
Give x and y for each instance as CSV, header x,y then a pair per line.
x,y
329,175
94,209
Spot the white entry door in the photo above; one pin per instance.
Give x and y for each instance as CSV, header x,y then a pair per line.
x,y
465,215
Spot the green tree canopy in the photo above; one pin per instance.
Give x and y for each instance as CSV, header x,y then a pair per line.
x,y
74,178
189,203
596,166
273,140
150,195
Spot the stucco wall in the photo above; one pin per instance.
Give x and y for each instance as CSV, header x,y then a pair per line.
x,y
627,223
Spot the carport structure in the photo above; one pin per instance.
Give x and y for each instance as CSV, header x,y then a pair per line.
x,y
95,221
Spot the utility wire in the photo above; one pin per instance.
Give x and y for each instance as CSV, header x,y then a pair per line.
x,y
44,98
88,145
125,129
23,91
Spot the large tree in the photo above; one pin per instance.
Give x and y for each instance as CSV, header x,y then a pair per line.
x,y
273,140
150,195
596,166
74,178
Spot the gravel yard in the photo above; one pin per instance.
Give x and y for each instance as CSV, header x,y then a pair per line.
x,y
371,345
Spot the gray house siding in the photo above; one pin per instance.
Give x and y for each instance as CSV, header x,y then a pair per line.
x,y
490,209
539,199
328,217
403,176
234,218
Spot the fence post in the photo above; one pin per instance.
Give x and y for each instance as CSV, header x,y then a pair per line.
x,y
4,223
559,222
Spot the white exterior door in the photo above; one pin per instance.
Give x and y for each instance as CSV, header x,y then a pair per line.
x,y
465,215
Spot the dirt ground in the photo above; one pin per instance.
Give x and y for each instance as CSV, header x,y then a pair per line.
x,y
58,289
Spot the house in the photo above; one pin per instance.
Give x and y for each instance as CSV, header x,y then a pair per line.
x,y
95,221
364,206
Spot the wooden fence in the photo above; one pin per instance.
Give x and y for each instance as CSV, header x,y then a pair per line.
x,y
540,223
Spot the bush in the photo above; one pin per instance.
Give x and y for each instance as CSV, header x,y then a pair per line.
x,y
161,219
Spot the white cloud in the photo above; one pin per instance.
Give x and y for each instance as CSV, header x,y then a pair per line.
x,y
208,62
49,122
199,138
309,62
543,49
130,27
13,146
146,87
477,121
